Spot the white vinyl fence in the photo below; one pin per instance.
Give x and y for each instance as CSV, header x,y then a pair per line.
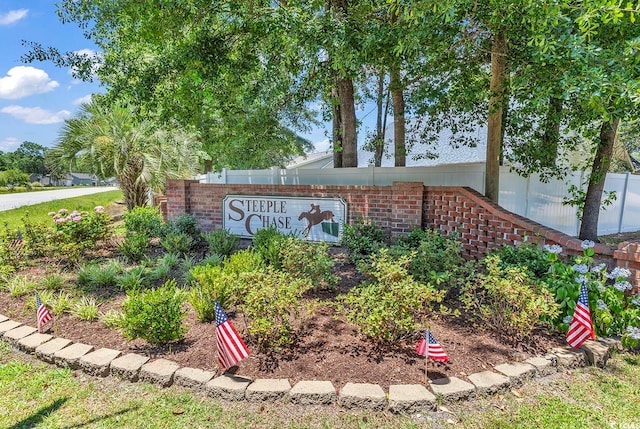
x,y
528,197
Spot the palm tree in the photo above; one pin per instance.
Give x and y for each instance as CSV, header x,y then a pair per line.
x,y
110,141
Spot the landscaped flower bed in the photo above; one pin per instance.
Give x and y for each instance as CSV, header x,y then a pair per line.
x,y
306,311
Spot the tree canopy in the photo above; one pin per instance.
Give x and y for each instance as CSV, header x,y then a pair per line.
x,y
239,76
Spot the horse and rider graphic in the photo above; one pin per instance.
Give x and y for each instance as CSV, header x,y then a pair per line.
x,y
315,216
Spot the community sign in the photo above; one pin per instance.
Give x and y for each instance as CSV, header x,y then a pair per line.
x,y
312,219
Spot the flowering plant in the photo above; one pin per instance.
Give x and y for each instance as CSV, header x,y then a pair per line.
x,y
615,311
77,232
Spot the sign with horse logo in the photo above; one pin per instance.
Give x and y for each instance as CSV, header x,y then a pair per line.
x,y
312,219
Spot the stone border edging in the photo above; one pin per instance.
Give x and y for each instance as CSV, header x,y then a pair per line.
x,y
401,398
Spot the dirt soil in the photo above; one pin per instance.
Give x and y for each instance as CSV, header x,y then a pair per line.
x,y
328,348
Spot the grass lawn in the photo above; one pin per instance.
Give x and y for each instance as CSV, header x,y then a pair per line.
x,y
38,212
34,394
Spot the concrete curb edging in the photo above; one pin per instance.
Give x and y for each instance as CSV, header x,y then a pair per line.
x,y
407,398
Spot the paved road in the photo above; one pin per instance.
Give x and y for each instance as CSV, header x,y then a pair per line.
x,y
11,201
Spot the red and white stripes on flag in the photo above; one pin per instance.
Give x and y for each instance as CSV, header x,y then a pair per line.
x,y
581,326
231,348
430,348
42,312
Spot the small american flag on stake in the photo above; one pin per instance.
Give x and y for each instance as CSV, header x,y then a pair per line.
x,y
43,313
231,348
430,348
581,327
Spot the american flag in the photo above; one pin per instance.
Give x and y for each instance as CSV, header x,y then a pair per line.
x,y
231,348
429,347
581,327
42,312
16,246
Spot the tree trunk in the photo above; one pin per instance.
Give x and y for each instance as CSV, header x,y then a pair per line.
x,y
134,190
494,128
379,141
348,119
337,129
601,162
551,136
397,96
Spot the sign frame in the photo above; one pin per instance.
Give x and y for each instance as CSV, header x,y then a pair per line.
x,y
314,219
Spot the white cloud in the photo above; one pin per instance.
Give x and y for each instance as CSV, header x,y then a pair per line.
x,y
13,16
22,81
322,146
36,115
9,144
82,100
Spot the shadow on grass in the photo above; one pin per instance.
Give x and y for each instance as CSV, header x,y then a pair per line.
x,y
39,415
98,418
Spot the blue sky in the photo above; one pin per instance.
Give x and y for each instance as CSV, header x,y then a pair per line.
x,y
36,98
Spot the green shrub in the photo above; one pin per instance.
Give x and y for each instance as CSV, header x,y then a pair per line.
x,y
134,246
437,259
362,240
391,305
37,237
268,243
272,305
144,221
185,224
308,260
526,255
222,242
156,315
177,242
214,260
212,283
171,260
160,272
509,300
12,251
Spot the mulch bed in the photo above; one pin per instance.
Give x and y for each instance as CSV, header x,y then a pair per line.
x,y
327,348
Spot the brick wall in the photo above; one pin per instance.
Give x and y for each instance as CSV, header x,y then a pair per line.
x,y
396,208
480,223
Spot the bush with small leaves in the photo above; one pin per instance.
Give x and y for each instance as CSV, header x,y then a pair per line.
x,y
392,304
211,283
273,306
37,237
362,240
308,260
156,315
509,300
267,243
437,259
177,242
143,221
527,255
221,242
134,246
185,224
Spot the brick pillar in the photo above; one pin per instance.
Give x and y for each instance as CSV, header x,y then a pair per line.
x,y
178,197
628,256
406,207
